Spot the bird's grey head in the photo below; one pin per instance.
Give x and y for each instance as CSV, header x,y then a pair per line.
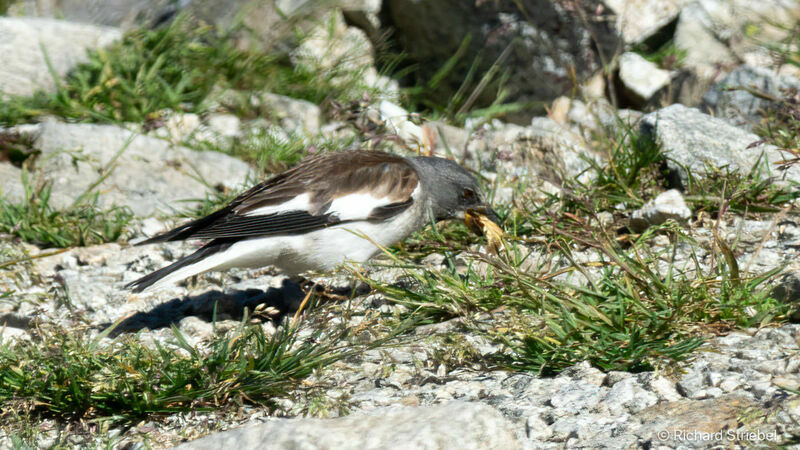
x,y
453,190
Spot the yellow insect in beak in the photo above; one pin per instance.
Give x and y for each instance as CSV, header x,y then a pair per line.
x,y
481,224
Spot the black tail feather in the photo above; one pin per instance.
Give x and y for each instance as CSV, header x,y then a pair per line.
x,y
205,251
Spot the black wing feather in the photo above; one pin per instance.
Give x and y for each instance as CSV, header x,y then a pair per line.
x,y
388,211
249,226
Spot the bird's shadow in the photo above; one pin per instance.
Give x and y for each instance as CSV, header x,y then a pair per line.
x,y
219,305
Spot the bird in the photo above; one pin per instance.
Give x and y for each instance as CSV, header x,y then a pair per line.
x,y
329,209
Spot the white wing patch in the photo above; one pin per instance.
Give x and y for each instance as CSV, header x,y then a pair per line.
x,y
299,203
358,206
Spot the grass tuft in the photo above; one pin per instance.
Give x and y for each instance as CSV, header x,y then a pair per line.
x,y
71,375
36,221
177,68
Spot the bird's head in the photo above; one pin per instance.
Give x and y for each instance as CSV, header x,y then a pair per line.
x,y
454,192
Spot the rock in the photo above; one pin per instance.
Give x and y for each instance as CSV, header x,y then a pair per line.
x,y
564,151
641,79
10,334
454,425
668,205
269,22
545,152
448,139
290,113
575,397
692,141
730,98
629,396
34,50
260,25
223,125
534,41
11,188
125,14
397,121
668,424
599,116
662,387
149,175
711,32
586,372
341,53
637,20
537,429
178,127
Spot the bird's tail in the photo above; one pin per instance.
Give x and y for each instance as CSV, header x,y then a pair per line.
x,y
208,257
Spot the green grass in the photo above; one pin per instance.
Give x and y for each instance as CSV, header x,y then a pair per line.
x,y
36,221
69,375
780,125
635,172
176,68
631,316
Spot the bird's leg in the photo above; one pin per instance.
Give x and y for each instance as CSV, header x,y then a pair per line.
x,y
304,302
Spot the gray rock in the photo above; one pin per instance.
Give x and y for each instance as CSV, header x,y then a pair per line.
x,y
693,384
586,372
290,113
641,78
561,150
125,14
628,396
267,23
711,31
454,425
639,19
342,52
28,44
692,142
224,125
537,429
178,127
662,387
680,423
149,175
448,139
259,24
537,41
11,188
732,100
594,115
576,396
668,205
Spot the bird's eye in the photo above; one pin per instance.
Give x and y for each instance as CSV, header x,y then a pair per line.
x,y
468,195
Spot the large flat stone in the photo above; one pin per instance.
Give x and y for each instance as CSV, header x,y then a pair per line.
x,y
639,19
454,425
733,99
694,142
35,50
147,174
10,183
